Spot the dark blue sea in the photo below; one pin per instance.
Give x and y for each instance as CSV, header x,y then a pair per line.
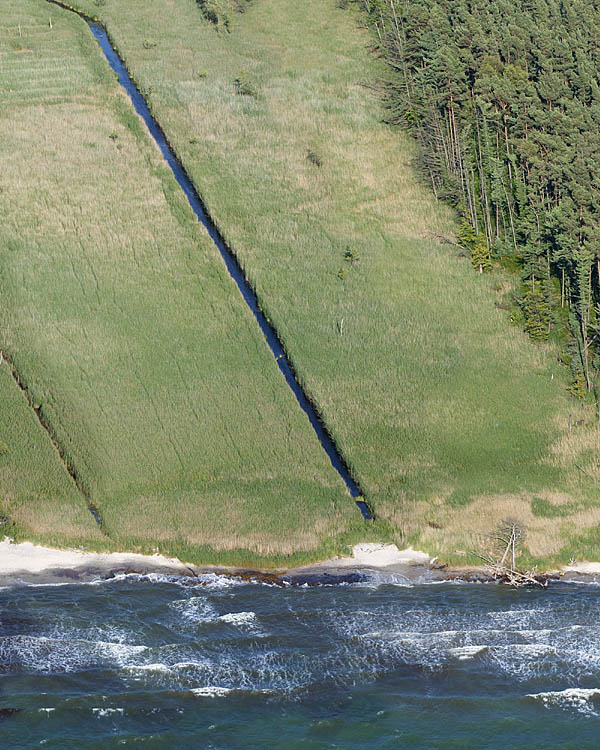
x,y
158,662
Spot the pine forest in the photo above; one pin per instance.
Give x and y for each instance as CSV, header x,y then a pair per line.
x,y
504,98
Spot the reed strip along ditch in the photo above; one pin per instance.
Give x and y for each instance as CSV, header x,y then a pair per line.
x,y
232,264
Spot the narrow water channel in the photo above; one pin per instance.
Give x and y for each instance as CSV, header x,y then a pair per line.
x,y
230,260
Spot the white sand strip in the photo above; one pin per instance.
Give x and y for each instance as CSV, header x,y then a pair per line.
x,y
25,560
380,556
34,559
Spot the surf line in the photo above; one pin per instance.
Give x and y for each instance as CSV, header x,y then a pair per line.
x,y
231,262
39,413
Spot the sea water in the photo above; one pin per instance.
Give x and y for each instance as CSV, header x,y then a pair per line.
x,y
216,663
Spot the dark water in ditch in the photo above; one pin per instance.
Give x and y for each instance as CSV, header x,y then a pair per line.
x,y
155,662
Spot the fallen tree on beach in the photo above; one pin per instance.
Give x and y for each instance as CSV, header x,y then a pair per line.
x,y
501,561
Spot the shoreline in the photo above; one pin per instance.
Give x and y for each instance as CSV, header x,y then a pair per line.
x,y
27,563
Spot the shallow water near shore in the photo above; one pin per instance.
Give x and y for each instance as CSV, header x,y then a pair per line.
x,y
159,662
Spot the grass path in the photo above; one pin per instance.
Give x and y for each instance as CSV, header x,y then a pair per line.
x,y
128,333
448,416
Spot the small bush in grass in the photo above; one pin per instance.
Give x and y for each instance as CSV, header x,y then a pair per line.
x,y
243,86
220,12
314,157
3,448
350,255
99,3
113,136
149,43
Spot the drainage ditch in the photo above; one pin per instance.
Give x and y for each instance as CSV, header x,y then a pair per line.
x,y
233,266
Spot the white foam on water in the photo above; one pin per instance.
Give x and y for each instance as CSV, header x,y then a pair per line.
x,y
580,700
108,634
204,580
238,618
48,655
66,629
158,667
119,654
528,650
214,691
521,619
526,643
569,650
247,622
210,581
526,661
214,581
463,653
375,578
194,610
517,612
102,712
29,585
261,669
211,691
187,664
147,577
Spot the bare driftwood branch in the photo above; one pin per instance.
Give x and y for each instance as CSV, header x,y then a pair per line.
x,y
504,568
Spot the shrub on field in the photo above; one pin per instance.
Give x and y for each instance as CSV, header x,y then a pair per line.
x,y
314,157
351,255
220,12
243,86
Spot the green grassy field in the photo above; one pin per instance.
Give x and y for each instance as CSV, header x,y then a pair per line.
x,y
122,322
38,499
448,416
153,377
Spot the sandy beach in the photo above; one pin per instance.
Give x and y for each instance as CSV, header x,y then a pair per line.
x,y
29,563
25,562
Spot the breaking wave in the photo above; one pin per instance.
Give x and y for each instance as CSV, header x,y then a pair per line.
x,y
581,700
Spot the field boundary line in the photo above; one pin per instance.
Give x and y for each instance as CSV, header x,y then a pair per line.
x,y
37,410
